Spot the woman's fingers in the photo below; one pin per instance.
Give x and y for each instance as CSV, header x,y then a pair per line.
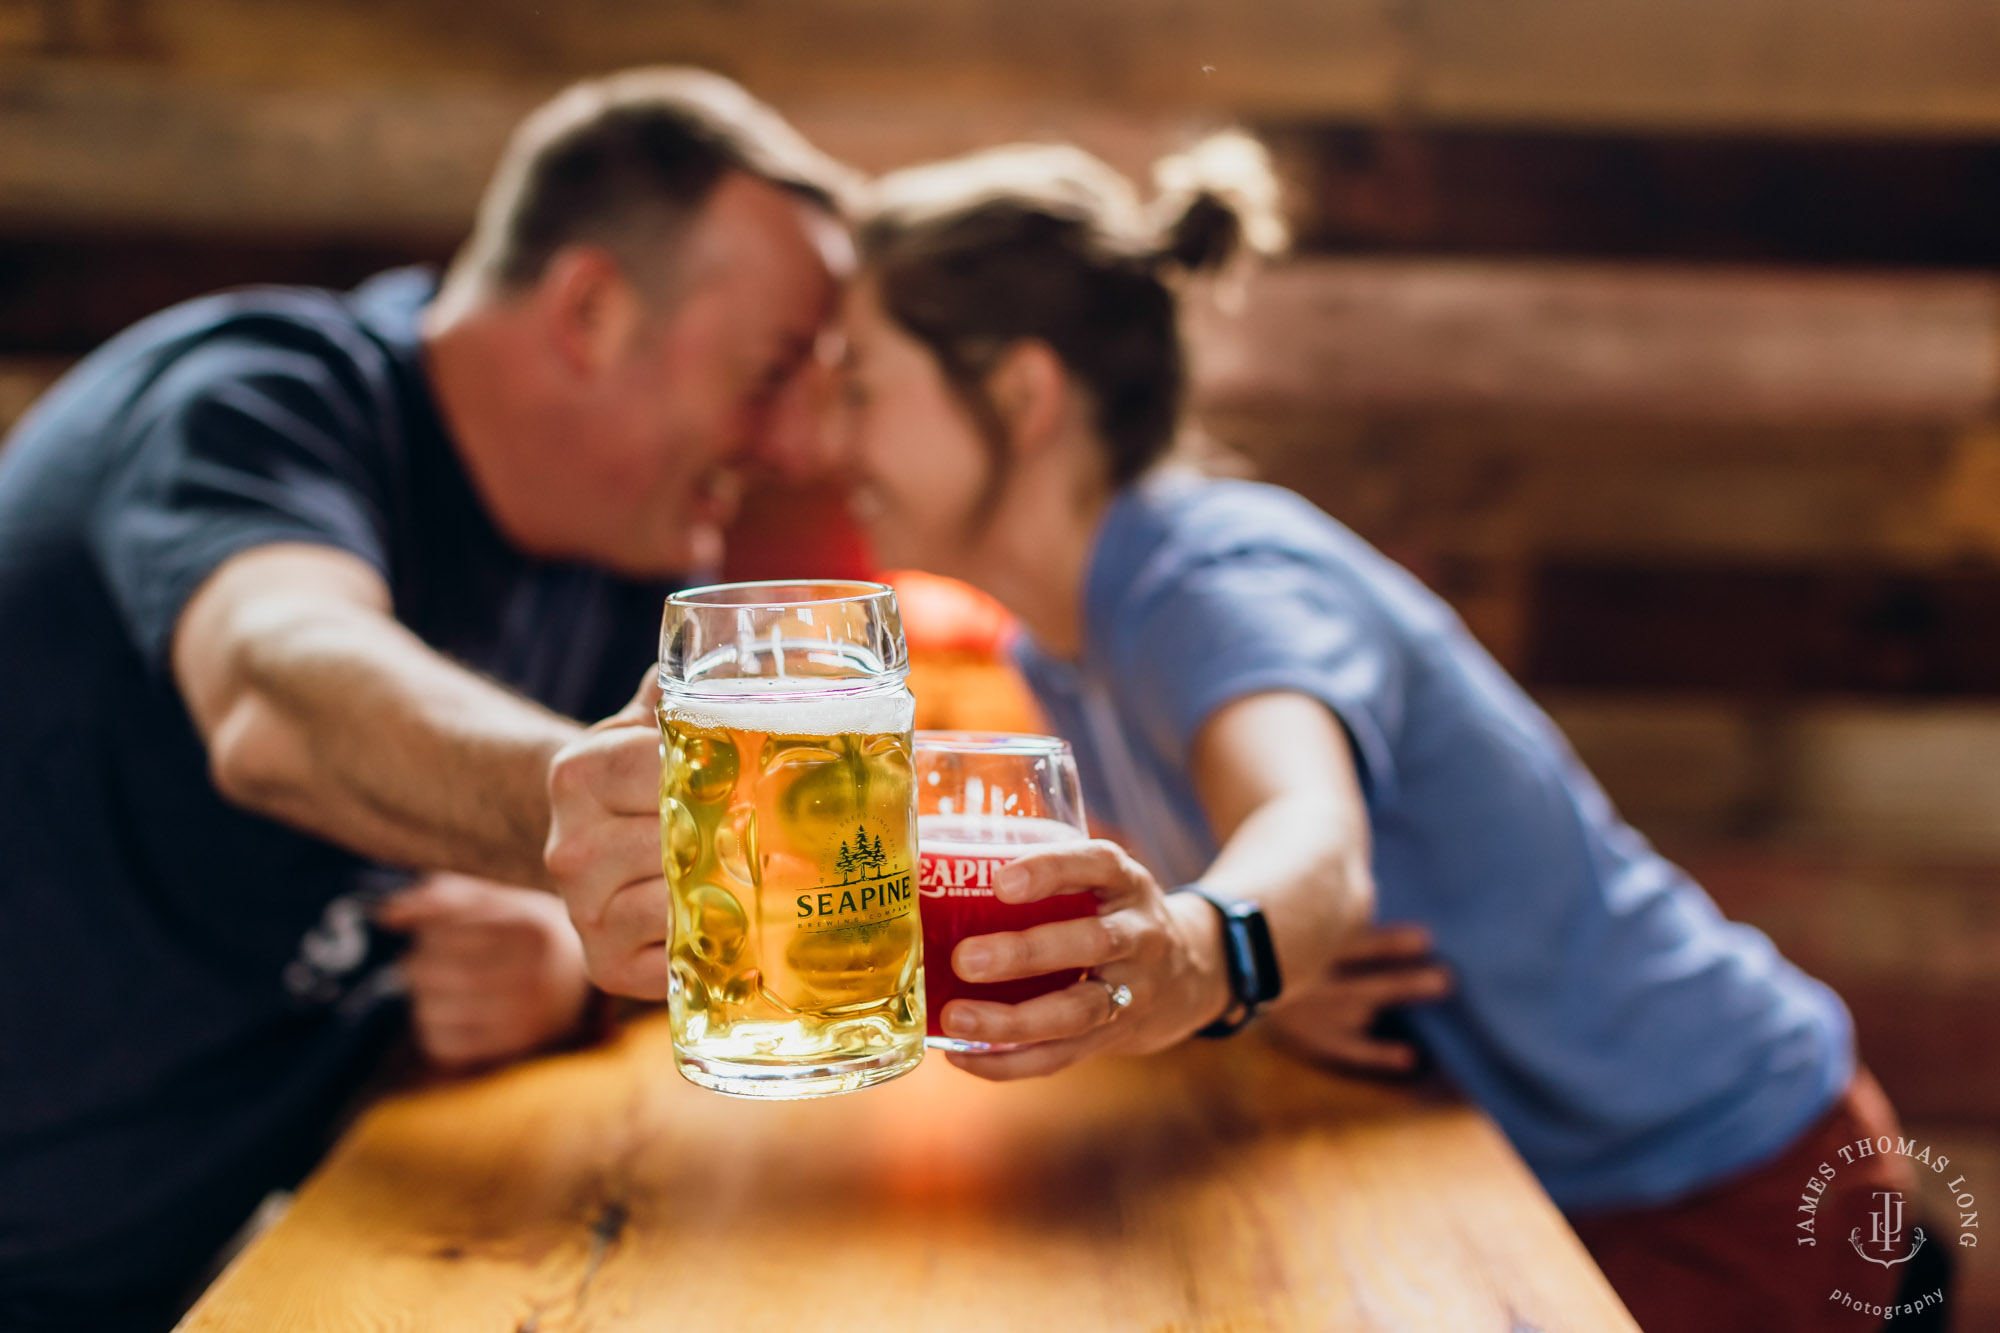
x,y
1072,1011
1402,942
1404,985
1032,1062
1099,867
1055,946
1354,1051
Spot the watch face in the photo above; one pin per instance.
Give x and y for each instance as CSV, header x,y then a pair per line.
x,y
1261,982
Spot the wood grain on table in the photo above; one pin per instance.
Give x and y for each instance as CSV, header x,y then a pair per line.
x,y
1218,1187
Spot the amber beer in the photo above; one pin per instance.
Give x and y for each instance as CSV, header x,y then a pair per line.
x,y
788,837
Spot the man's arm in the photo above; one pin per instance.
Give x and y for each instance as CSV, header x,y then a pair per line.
x,y
319,710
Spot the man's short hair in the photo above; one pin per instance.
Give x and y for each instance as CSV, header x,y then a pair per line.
x,y
625,161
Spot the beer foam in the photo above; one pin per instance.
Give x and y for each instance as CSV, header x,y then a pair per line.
x,y
993,836
777,705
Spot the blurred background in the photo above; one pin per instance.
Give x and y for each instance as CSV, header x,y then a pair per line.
x,y
1660,336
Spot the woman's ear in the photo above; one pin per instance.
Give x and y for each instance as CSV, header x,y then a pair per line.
x,y
1029,389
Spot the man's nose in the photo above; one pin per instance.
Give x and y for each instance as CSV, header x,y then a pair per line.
x,y
799,436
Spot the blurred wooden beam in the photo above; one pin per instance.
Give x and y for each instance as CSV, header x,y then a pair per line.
x,y
117,147
1905,781
1873,199
64,293
22,380
1500,486
1765,633
1807,65
1597,340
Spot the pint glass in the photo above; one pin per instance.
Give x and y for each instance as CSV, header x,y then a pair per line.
x,y
983,799
788,836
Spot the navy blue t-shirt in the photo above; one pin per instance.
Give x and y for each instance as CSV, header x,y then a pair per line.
x,y
189,991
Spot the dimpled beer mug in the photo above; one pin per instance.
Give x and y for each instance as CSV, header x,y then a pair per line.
x,y
788,834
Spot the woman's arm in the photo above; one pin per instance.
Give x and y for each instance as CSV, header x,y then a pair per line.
x,y
1276,779
1277,782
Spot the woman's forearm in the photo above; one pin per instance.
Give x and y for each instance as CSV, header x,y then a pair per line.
x,y
1300,859
1276,777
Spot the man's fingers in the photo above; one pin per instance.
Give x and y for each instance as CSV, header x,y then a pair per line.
x,y
642,707
615,770
627,954
1056,946
601,859
1099,867
432,898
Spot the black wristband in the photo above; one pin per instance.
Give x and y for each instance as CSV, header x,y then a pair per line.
x,y
1249,956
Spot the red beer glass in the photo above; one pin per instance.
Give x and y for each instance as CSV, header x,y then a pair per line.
x,y
983,799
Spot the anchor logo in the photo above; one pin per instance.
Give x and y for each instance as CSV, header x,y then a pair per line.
x,y
1885,1231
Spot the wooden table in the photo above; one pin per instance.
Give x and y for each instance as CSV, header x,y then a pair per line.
x,y
1219,1187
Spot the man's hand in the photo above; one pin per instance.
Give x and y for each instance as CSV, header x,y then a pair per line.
x,y
604,847
495,972
1379,969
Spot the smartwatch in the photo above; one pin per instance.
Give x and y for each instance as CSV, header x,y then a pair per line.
x,y
1252,961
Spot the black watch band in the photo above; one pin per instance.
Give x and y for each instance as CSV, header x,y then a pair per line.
x,y
1249,955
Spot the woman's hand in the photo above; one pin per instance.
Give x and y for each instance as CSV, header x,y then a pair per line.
x,y
1330,1021
1166,949
495,972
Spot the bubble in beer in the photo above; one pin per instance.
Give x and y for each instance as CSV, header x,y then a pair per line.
x,y
680,840
709,763
736,846
826,786
689,994
717,924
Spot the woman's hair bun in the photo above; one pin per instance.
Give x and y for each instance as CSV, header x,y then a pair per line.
x,y
1217,200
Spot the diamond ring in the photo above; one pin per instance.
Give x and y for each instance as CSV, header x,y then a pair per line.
x,y
1119,995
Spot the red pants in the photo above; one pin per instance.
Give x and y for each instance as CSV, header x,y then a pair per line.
x,y
1729,1259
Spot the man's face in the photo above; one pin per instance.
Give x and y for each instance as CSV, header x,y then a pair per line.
x,y
693,394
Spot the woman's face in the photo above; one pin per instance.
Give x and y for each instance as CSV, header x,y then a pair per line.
x,y
920,464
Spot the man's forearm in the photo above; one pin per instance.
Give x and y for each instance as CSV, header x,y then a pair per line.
x,y
336,719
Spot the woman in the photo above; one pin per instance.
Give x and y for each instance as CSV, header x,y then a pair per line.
x,y
1270,710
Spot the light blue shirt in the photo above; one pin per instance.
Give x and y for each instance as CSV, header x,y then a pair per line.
x,y
1633,1043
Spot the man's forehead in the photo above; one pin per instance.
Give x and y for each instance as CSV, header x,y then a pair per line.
x,y
752,223
832,239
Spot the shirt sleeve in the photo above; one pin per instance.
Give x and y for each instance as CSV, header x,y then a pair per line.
x,y
1255,622
235,446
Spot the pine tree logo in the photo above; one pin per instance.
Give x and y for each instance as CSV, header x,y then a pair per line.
x,y
864,858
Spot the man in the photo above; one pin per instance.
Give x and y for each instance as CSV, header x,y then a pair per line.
x,y
298,593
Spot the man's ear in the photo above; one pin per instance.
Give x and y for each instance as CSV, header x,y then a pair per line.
x,y
588,308
1029,388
